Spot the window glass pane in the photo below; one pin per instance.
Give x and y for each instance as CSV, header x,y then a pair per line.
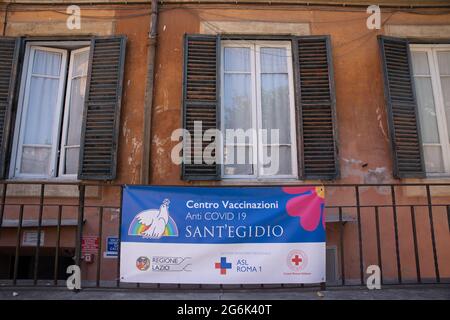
x,y
445,82
444,62
237,101
238,160
427,111
274,60
420,63
75,110
80,63
77,93
71,165
433,159
275,107
39,122
237,59
41,113
35,160
47,63
274,164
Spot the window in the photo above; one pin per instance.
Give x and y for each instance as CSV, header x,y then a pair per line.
x,y
258,96
49,117
431,70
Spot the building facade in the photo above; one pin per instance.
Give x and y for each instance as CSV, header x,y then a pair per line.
x,y
364,112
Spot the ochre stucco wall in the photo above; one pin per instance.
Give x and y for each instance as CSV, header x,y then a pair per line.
x,y
363,133
364,151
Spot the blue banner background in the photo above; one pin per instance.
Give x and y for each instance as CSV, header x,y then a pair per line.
x,y
139,198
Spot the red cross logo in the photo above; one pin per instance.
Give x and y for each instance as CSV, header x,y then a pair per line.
x,y
296,260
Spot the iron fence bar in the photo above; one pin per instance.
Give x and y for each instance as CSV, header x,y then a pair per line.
x,y
38,240
99,253
397,248
448,217
377,226
120,238
58,239
361,258
416,248
17,253
341,244
80,225
433,240
2,207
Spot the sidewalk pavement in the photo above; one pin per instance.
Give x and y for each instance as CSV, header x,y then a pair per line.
x,y
407,292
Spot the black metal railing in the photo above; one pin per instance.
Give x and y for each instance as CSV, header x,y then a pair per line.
x,y
363,221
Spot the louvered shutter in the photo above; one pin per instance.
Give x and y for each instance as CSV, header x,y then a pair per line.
x,y
9,56
401,104
200,103
101,119
316,107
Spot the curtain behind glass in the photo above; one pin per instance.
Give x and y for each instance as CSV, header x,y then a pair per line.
x,y
75,111
41,112
275,107
237,102
427,113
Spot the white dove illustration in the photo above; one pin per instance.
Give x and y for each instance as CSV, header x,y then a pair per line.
x,y
155,220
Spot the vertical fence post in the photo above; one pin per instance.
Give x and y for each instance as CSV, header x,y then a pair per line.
x,y
377,226
433,240
361,258
2,207
397,249
100,235
58,239
17,253
416,249
120,237
341,243
82,190
38,241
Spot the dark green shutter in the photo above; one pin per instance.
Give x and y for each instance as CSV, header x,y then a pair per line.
x,y
316,106
404,128
200,101
101,118
9,56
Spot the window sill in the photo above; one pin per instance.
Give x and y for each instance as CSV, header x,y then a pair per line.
x,y
258,182
32,188
436,191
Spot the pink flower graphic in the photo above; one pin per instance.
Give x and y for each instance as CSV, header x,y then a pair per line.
x,y
308,205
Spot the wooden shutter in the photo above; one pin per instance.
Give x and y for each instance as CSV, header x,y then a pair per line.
x,y
200,101
316,108
401,105
101,119
9,56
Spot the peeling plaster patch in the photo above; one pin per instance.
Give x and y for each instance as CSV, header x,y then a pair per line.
x,y
377,175
159,143
352,161
160,162
352,168
380,124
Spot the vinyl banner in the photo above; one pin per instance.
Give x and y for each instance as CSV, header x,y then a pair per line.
x,y
222,235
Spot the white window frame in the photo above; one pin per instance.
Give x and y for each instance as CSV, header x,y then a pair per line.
x,y
431,51
52,46
23,108
257,148
65,126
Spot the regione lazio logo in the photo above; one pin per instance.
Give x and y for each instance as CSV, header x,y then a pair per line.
x,y
297,260
143,263
223,265
154,223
